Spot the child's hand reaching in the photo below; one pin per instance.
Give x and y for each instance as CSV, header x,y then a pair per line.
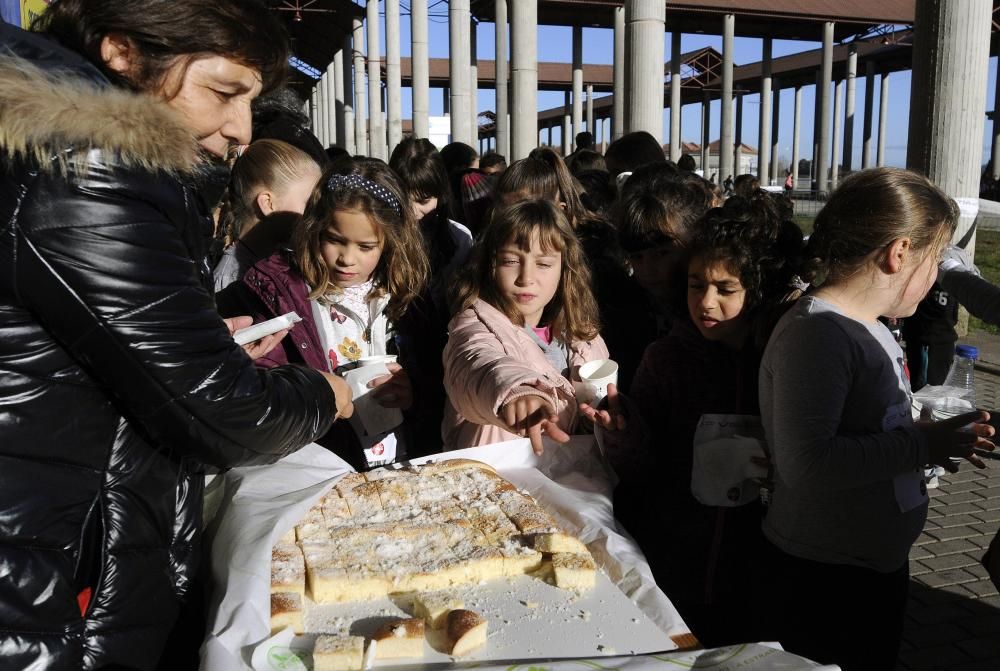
x,y
393,390
532,416
957,437
611,419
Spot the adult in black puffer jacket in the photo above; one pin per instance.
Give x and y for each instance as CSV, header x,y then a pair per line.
x,y
118,379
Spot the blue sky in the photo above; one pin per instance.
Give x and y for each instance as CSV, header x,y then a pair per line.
x,y
555,44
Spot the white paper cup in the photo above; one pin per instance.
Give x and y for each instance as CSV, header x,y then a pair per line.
x,y
595,376
376,359
950,406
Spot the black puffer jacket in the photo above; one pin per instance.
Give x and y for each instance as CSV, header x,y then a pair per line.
x,y
118,379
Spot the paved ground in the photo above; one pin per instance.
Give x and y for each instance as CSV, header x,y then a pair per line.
x,y
953,621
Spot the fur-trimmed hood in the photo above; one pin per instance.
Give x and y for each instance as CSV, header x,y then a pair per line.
x,y
52,117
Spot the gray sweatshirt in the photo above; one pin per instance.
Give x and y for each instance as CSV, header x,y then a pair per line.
x,y
835,404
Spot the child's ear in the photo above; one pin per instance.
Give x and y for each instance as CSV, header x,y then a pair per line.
x,y
896,255
118,53
265,203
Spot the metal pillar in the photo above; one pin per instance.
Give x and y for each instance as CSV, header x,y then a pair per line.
x,y
376,135
835,147
590,112
549,129
524,73
706,133
459,71
644,21
393,85
567,129
360,113
618,84
675,96
883,118
866,139
473,80
577,82
823,154
764,125
500,41
446,101
849,95
796,127
726,147
775,126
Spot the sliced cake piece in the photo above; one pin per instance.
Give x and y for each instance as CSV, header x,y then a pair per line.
x,y
338,653
467,631
458,464
400,638
287,569
560,542
525,513
434,607
286,611
574,572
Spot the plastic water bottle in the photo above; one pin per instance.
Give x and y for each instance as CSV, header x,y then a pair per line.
x,y
961,375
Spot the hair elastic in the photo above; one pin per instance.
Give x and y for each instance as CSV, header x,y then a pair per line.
x,y
356,181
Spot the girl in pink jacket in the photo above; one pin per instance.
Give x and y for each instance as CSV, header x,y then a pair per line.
x,y
525,321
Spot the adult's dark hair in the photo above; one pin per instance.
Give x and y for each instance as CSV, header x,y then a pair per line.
x,y
632,151
279,116
584,140
686,162
165,31
584,160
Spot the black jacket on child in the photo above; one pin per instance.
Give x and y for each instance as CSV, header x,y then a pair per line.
x,y
118,378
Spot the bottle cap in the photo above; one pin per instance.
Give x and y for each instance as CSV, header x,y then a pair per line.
x,y
967,351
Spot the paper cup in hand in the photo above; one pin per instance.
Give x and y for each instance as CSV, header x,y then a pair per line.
x,y
595,376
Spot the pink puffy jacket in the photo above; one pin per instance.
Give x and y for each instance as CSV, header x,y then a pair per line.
x,y
489,361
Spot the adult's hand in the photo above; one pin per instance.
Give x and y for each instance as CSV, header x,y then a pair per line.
x,y
393,390
958,437
533,416
611,419
345,404
257,348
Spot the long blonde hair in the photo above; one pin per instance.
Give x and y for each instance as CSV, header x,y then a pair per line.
x,y
375,191
572,313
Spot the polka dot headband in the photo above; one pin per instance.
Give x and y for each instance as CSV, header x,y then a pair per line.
x,y
356,181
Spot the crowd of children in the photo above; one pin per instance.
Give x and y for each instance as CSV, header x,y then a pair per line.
x,y
713,308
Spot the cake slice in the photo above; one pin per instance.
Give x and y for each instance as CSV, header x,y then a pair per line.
x,y
573,571
434,607
287,569
338,653
525,513
399,638
559,542
467,631
286,611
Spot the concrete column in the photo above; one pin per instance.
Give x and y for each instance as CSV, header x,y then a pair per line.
x,y
319,129
567,129
473,80
866,139
393,85
796,127
314,109
577,82
419,68
589,126
738,139
835,147
459,71
524,73
339,106
376,134
823,153
500,41
706,133
764,126
883,118
817,110
675,96
549,129
995,153
849,95
775,127
951,52
726,147
644,21
618,84
347,94
360,113
332,75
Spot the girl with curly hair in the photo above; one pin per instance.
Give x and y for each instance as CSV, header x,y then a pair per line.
x,y
740,262
356,265
525,320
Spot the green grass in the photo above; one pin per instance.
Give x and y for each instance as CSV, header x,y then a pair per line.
x,y
988,260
